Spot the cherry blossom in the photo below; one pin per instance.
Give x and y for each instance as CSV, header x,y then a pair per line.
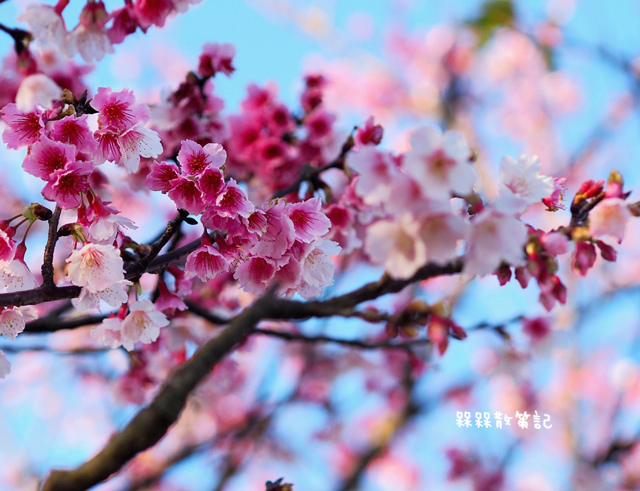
x,y
142,324
440,163
206,262
521,184
37,90
609,217
95,266
13,319
494,238
23,128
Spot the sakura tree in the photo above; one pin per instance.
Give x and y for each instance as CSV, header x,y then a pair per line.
x,y
360,290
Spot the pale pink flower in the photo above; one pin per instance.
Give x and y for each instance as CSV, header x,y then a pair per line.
x,y
441,232
90,37
440,163
114,295
109,332
395,244
609,217
13,319
37,90
308,221
5,366
494,238
105,228
95,266
376,174
521,184
46,25
142,324
16,276
317,268
23,128
126,149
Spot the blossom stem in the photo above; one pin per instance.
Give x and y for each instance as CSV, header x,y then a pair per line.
x,y
47,264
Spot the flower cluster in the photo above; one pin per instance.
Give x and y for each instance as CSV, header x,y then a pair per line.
x,y
276,241
97,30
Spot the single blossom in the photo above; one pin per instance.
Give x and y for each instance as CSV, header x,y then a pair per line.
x,y
216,58
440,163
23,128
95,266
206,262
521,184
142,324
37,90
67,185
114,295
609,217
109,332
48,156
16,276
13,320
494,238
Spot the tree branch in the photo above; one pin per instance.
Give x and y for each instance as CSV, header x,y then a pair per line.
x,y
152,422
47,262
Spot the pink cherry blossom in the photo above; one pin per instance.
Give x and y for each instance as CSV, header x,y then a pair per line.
x,y
90,38
16,276
118,111
377,172
584,257
609,217
46,25
142,324
152,12
187,196
127,148
37,90
440,163
555,243
255,273
95,266
5,366
162,176
74,131
109,332
13,319
396,245
441,232
494,238
308,221
48,156
67,185
195,159
521,184
114,295
233,202
216,58
23,128
206,262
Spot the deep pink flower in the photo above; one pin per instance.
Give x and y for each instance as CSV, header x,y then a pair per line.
x,y
23,128
162,176
74,131
216,58
118,111
48,156
369,134
195,159
255,273
67,185
186,195
537,328
319,123
206,262
211,183
233,202
152,12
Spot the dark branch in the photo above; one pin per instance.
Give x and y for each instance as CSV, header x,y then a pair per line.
x,y
47,263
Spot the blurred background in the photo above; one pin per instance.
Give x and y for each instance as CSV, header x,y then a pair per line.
x,y
556,78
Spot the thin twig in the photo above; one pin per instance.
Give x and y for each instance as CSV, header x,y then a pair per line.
x,y
49,249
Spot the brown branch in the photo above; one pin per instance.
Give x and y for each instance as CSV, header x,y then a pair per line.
x,y
152,422
52,323
354,343
47,263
